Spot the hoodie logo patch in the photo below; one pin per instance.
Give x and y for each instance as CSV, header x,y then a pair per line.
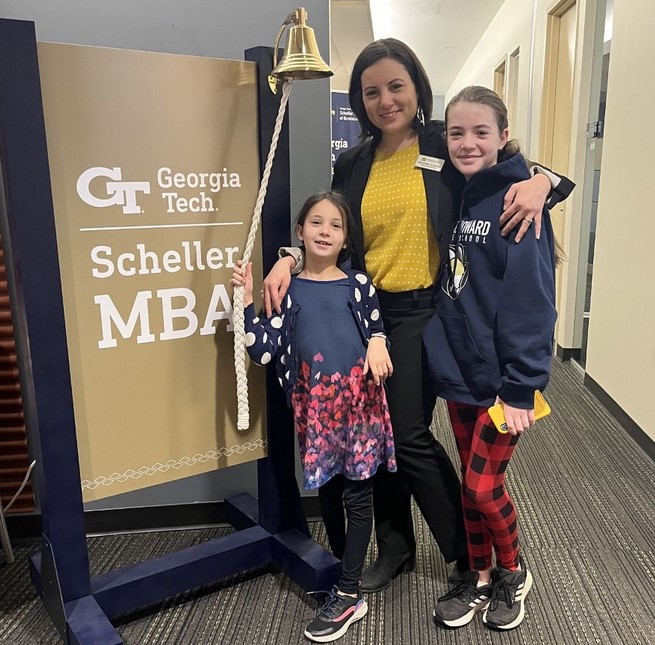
x,y
458,271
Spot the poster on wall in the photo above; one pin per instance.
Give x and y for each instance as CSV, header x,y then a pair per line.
x,y
345,127
155,171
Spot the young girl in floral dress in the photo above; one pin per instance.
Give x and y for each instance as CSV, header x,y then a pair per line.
x,y
332,360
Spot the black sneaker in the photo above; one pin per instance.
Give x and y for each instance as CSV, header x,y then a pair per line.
x,y
335,616
507,607
461,603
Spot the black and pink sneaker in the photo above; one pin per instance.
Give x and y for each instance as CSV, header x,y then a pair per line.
x,y
335,616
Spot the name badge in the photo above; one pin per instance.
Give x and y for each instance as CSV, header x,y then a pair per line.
x,y
429,163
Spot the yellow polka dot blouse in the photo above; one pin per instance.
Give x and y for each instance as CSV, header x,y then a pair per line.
x,y
400,245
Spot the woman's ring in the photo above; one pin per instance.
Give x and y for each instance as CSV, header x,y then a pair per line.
x,y
529,221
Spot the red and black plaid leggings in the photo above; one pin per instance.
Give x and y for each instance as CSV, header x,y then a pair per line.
x,y
489,513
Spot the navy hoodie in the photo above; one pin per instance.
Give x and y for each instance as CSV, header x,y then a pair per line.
x,y
492,334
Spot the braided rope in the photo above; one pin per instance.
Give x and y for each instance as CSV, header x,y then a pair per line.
x,y
243,412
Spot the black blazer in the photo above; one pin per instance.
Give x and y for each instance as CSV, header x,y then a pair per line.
x,y
442,189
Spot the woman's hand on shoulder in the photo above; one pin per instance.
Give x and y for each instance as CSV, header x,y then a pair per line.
x,y
276,285
524,203
378,361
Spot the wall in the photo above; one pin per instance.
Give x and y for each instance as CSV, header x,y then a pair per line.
x,y
510,29
350,23
621,349
215,28
523,25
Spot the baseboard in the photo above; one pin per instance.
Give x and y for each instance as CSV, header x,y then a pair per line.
x,y
629,425
27,526
568,353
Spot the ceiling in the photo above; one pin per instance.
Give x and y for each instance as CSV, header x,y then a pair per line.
x,y
441,32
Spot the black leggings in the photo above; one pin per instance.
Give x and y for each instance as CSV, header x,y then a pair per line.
x,y
348,542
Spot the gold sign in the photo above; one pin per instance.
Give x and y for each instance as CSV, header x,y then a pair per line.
x,y
154,170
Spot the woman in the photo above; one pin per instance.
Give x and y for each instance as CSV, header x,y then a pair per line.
x,y
404,192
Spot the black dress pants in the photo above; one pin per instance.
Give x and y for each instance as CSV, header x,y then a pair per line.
x,y
424,469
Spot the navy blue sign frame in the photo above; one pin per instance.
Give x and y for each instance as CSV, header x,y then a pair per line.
x,y
272,529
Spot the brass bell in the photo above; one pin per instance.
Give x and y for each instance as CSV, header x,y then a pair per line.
x,y
301,57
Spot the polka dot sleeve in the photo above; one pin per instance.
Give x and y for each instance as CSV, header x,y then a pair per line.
x,y
263,335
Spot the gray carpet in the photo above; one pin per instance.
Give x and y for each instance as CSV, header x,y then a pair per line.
x,y
585,495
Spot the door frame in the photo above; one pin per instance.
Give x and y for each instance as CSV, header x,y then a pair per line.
x,y
587,67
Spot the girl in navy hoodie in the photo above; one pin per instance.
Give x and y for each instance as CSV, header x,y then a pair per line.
x,y
490,342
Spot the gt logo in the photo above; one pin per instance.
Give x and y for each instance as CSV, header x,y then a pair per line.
x,y
122,193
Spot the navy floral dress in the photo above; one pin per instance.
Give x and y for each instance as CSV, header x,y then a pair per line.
x,y
320,340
